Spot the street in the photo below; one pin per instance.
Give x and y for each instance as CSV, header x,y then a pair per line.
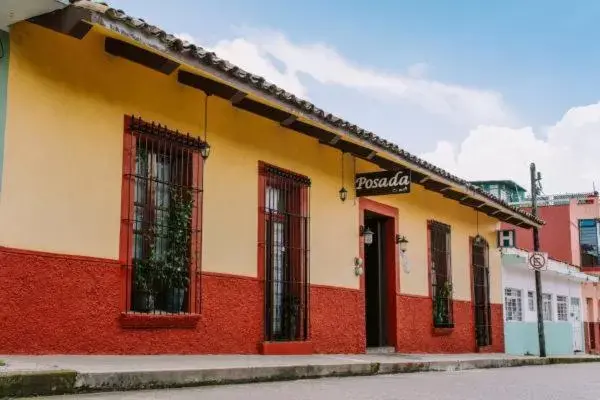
x,y
556,382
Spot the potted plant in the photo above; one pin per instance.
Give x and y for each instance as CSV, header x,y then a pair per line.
x,y
178,257
145,274
291,308
441,307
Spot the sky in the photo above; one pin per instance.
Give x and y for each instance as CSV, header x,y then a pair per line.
x,y
481,89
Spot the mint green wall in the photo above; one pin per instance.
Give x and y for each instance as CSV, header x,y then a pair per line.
x,y
521,338
3,91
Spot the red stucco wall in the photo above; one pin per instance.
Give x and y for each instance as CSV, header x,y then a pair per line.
x,y
57,304
337,320
416,334
555,236
71,305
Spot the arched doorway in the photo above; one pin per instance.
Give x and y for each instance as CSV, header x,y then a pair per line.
x,y
481,292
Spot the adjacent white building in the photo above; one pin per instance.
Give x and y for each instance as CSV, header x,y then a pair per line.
x,y
562,305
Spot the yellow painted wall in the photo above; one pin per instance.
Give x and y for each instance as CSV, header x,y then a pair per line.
x,y
63,168
414,209
61,187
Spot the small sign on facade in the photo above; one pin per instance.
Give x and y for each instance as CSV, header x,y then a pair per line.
x,y
538,260
382,182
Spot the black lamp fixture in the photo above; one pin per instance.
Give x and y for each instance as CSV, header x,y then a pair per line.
x,y
343,192
205,150
402,243
478,240
367,233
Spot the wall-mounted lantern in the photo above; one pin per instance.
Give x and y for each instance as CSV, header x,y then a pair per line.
x,y
402,243
367,233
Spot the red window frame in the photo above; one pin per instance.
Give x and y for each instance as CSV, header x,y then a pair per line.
x,y
296,239
127,211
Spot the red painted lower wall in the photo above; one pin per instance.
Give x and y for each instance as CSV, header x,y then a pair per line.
x,y
415,332
337,320
53,304
58,304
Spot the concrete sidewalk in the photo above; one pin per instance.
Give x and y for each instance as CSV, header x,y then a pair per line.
x,y
46,375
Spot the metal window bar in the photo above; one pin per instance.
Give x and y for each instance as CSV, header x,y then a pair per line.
x,y
441,275
286,250
164,219
481,287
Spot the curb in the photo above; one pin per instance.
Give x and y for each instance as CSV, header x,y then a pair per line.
x,y
20,384
23,384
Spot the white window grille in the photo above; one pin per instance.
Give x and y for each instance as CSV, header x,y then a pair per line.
x,y
512,304
531,300
562,308
547,306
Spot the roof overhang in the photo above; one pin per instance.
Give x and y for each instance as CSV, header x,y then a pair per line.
x,y
13,11
125,40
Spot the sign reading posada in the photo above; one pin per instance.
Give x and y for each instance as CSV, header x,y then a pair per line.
x,y
382,182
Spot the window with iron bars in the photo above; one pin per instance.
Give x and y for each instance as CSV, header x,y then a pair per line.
x,y
481,288
284,215
161,218
441,274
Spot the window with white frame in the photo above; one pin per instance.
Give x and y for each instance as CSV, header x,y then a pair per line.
x,y
562,308
531,300
512,304
547,306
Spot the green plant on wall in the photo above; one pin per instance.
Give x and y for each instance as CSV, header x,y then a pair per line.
x,y
441,306
178,254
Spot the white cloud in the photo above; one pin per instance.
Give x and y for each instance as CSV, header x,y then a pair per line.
x,y
418,70
566,153
459,104
253,58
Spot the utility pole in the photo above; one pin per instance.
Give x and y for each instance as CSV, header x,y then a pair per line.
x,y
536,177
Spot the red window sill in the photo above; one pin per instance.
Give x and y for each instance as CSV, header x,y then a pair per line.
x,y
158,321
442,331
286,348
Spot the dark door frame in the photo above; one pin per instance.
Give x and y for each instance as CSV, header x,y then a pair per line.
x,y
391,261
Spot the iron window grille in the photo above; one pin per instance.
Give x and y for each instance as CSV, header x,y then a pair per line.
x,y
481,288
441,274
162,218
284,214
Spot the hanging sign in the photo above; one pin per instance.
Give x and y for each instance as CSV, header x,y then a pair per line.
x,y
382,182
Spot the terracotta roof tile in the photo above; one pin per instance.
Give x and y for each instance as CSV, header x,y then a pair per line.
x,y
271,90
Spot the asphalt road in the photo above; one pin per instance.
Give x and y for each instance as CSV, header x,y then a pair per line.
x,y
564,382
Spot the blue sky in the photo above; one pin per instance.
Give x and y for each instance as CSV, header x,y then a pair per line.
x,y
444,76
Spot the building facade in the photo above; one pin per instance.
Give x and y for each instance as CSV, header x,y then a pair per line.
x,y
122,233
563,306
569,237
